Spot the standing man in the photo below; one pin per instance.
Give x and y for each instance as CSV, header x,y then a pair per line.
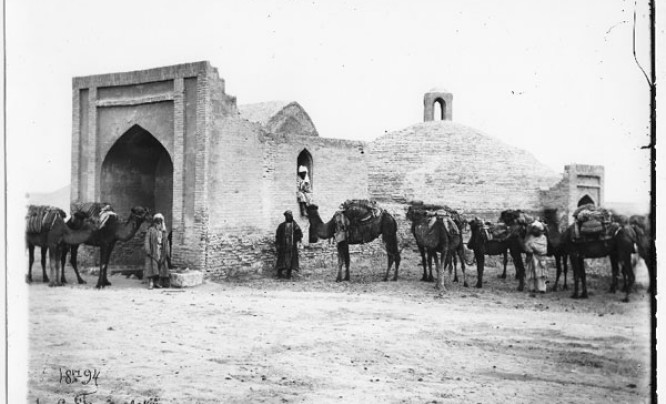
x,y
304,192
157,250
286,239
536,247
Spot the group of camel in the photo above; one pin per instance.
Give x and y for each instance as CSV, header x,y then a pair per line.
x,y
434,242
58,236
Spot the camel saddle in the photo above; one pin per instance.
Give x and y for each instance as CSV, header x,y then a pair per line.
x,y
98,213
41,217
593,230
358,221
590,212
511,217
432,212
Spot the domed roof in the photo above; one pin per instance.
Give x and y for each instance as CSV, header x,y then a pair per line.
x,y
279,117
449,163
438,90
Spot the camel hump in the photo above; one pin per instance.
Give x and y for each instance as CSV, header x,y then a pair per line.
x,y
98,213
41,217
360,210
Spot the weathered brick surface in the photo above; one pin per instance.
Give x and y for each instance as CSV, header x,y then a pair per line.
x,y
445,162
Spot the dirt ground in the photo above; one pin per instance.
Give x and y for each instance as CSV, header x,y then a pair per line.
x,y
312,340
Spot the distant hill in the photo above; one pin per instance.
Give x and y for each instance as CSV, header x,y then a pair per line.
x,y
58,198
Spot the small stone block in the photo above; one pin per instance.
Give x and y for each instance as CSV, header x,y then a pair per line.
x,y
186,279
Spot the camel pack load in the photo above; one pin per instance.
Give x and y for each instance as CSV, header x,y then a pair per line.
x,y
357,220
41,217
429,213
593,221
98,213
510,221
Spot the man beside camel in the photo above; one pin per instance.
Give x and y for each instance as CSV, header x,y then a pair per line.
x,y
536,247
287,237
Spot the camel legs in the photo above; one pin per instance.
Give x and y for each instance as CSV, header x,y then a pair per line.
x,y
104,254
506,261
578,264
440,273
559,262
480,262
54,263
424,278
343,259
74,249
520,269
461,254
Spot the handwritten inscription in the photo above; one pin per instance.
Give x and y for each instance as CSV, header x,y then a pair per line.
x,y
71,376
82,398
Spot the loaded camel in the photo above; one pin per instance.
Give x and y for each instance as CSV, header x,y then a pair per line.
x,y
38,223
482,244
618,245
457,249
106,238
361,222
432,239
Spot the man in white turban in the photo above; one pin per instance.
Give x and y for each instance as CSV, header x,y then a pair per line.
x,y
304,192
536,247
157,250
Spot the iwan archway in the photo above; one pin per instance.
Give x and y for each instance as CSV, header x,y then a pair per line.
x,y
138,171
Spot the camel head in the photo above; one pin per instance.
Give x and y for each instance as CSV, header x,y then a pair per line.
x,y
141,214
313,212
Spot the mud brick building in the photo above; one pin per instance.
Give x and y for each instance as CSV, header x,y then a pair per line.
x,y
171,139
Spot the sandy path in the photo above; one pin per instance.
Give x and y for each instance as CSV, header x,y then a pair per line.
x,y
316,341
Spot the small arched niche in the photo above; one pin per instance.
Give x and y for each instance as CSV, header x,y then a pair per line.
x,y
439,110
585,200
305,160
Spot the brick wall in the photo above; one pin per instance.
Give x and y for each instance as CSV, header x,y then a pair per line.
x,y
445,162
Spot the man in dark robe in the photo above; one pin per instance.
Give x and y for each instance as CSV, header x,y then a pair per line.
x,y
286,240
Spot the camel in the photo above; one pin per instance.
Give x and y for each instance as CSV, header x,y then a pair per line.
x,y
35,238
618,247
384,225
556,248
59,237
431,239
482,246
457,249
106,238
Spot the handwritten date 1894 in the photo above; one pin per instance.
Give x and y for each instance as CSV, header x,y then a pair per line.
x,y
86,376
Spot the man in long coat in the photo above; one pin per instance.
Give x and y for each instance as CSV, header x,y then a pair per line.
x,y
156,247
287,236
536,247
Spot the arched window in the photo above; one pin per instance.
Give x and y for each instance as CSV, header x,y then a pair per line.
x,y
585,200
305,160
439,109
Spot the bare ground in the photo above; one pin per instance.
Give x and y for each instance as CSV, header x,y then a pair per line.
x,y
312,340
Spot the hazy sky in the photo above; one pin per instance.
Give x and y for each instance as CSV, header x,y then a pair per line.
x,y
556,78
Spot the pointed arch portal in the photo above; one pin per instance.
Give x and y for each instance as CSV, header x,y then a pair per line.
x,y
585,200
138,171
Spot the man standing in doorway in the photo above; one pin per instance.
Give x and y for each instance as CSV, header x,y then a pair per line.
x,y
304,192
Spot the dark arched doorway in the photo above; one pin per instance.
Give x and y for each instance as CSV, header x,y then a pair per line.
x,y
138,171
585,200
